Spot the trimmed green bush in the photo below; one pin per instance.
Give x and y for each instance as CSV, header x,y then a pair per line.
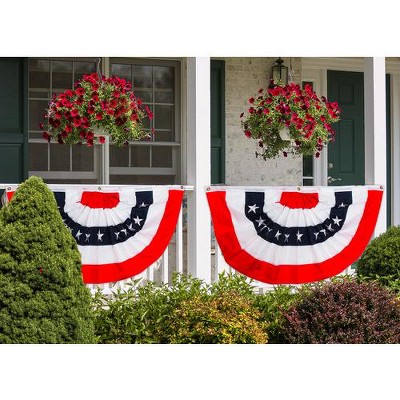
x,y
42,295
343,311
381,259
227,317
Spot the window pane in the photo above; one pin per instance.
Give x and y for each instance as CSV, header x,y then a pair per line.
x,y
45,94
164,117
164,77
145,95
307,166
38,156
164,97
142,179
122,71
140,156
39,73
59,157
83,68
62,74
37,108
142,76
119,156
82,158
161,157
163,136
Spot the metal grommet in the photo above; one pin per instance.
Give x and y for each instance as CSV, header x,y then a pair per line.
x,y
182,187
298,188
99,188
208,188
381,187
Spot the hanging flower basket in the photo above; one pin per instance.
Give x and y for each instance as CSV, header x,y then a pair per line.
x,y
96,104
286,119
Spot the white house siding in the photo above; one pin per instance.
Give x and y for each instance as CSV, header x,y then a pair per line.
x,y
243,78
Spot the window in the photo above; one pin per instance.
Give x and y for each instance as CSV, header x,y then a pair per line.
x,y
156,161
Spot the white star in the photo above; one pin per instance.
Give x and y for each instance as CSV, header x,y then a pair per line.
x,y
130,227
323,231
299,235
316,235
137,220
277,234
342,205
78,234
87,237
100,236
287,237
336,220
269,229
143,205
260,221
117,235
253,208
123,230
330,227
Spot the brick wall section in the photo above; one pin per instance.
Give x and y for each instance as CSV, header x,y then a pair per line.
x,y
243,78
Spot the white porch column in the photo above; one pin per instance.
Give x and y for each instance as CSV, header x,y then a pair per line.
x,y
198,166
375,129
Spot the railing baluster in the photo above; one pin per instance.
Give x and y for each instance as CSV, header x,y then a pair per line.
x,y
221,264
165,266
179,243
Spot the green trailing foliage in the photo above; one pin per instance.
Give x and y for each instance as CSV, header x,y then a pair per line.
x,y
381,260
343,311
42,295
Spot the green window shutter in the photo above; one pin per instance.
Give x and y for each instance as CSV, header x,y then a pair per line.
x,y
13,120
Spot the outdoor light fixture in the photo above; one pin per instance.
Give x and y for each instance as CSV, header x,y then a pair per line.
x,y
279,72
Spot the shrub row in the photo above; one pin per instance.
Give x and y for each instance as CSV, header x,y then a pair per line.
x,y
343,310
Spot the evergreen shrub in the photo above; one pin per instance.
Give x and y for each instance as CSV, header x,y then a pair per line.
x,y
42,295
381,259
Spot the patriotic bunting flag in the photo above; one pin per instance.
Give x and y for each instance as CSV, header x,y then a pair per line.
x,y
120,231
293,235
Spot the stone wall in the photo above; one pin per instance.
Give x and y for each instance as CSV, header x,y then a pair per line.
x,y
243,78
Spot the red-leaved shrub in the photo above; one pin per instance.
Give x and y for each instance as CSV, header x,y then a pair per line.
x,y
344,311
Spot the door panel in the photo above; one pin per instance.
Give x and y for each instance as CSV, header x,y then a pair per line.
x,y
346,154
